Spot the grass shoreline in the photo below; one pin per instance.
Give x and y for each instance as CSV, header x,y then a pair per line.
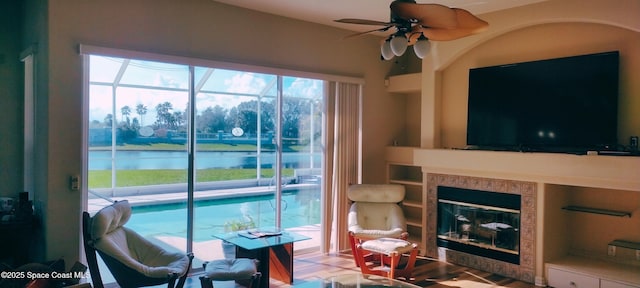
x,y
128,178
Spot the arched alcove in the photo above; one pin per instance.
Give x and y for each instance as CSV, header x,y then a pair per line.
x,y
543,30
542,41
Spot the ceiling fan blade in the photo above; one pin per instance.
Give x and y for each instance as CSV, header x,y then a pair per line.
x,y
365,32
430,15
437,34
363,22
468,25
466,20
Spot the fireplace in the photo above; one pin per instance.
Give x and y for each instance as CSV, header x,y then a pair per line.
x,y
503,244
481,223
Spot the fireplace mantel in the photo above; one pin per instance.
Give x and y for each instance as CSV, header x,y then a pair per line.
x,y
560,180
613,172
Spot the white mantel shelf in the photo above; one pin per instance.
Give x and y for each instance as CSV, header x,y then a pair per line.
x,y
612,172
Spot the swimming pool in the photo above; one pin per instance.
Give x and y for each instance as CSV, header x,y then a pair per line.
x,y
300,207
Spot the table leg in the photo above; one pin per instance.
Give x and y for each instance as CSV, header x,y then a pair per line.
x,y
281,262
275,262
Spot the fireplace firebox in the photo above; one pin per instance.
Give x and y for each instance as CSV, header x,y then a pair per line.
x,y
481,223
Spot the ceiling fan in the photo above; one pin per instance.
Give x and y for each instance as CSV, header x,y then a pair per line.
x,y
415,24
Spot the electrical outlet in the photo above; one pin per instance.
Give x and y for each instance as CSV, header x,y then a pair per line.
x,y
74,183
611,250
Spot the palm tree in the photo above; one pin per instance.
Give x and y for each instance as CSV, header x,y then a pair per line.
x,y
108,120
141,110
164,115
126,111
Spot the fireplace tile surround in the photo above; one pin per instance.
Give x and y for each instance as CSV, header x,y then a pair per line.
x,y
525,271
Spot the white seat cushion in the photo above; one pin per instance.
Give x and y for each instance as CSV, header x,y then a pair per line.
x,y
387,246
230,269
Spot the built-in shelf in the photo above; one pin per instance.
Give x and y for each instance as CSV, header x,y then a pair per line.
x,y
625,244
414,222
602,271
412,203
405,83
400,170
406,182
597,211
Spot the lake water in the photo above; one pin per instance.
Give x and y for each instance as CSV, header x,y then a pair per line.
x,y
140,160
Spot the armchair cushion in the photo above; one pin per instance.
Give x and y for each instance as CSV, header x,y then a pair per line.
x,y
109,219
376,193
128,247
375,212
388,246
375,220
231,269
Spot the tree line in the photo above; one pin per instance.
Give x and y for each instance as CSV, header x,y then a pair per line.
x,y
297,117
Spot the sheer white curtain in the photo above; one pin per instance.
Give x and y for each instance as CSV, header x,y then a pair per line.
x,y
342,160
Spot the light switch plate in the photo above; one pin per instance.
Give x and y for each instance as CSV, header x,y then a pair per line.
x,y
74,183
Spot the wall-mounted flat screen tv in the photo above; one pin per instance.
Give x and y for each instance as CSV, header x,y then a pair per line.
x,y
565,104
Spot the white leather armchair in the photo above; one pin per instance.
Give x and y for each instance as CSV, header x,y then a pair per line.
x,y
133,260
375,213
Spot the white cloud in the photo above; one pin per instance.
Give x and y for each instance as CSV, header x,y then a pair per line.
x,y
237,82
245,83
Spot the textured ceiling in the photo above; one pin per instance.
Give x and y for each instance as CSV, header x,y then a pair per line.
x,y
325,11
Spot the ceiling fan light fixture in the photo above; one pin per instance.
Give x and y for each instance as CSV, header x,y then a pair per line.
x,y
399,44
408,19
422,46
385,50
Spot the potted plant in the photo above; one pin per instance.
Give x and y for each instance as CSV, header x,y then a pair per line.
x,y
239,224
229,249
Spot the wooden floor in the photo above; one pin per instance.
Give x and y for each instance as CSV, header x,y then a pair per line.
x,y
428,273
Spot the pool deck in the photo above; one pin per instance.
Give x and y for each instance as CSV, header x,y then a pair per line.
x,y
96,203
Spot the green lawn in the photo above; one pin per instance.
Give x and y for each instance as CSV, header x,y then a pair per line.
x,y
127,178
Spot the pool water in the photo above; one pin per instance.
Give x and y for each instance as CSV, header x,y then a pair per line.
x,y
299,208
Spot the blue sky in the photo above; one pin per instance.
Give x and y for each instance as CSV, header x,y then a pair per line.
x,y
173,76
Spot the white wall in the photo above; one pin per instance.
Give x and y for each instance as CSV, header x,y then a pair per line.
x,y
190,28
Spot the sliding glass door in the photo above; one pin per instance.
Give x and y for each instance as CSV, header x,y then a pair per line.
x,y
234,152
302,153
137,145
249,155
